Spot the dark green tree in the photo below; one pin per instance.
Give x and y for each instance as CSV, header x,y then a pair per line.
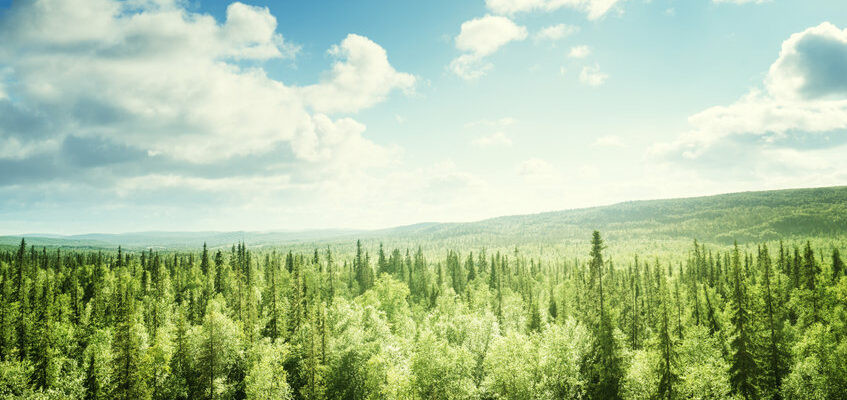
x,y
743,369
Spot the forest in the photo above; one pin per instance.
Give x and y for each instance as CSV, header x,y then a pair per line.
x,y
752,321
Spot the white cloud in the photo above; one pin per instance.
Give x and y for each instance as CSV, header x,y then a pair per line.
x,y
495,139
251,34
556,32
162,86
470,67
479,38
608,141
483,36
802,111
581,51
811,64
591,75
361,78
594,8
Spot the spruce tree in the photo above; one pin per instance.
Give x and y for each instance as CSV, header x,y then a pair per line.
x,y
667,374
774,358
128,347
382,263
603,366
810,272
743,370
837,264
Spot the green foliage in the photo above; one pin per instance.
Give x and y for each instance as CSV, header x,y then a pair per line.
x,y
441,371
454,322
266,376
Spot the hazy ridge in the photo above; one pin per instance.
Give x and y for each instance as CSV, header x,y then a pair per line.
x,y
720,219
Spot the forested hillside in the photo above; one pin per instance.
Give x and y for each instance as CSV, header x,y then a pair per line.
x,y
722,219
744,217
752,322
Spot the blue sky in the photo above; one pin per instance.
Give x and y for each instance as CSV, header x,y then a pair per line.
x,y
217,115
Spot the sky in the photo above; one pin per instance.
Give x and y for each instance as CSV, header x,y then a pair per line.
x,y
138,115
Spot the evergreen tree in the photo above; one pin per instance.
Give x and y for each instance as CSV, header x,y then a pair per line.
x,y
382,263
743,369
128,347
469,265
811,269
603,366
294,311
837,264
204,261
552,308
362,267
218,351
774,358
667,374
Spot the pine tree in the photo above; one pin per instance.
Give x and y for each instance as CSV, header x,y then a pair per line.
x,y
204,261
469,265
667,375
382,263
218,350
362,268
552,308
810,272
183,386
294,311
603,366
743,369
774,359
837,264
534,320
635,339
274,321
128,347
43,352
331,272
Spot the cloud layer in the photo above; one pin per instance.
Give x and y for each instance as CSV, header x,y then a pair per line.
x,y
593,8
123,98
791,127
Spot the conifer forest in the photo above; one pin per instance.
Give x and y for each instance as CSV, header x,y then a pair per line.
x,y
762,321
423,200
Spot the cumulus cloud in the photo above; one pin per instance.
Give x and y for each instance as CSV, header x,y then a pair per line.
x,y
812,64
592,76
581,51
556,32
593,8
147,93
495,139
801,110
361,78
481,37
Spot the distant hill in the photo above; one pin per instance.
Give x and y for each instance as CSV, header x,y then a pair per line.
x,y
173,240
746,217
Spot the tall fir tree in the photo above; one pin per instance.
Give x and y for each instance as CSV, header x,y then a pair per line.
x,y
743,369
603,366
